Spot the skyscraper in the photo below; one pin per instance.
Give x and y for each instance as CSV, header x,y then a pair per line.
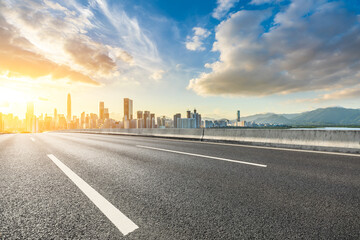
x,y
82,122
176,117
101,110
147,119
106,113
68,108
197,118
29,116
139,114
188,114
238,116
128,109
152,120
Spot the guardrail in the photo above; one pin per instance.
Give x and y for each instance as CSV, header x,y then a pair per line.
x,y
323,140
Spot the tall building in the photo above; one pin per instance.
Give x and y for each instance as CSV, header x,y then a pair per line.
x,y
82,121
152,120
68,117
186,123
238,116
30,117
101,110
128,109
139,114
106,113
188,114
147,119
193,120
176,117
197,118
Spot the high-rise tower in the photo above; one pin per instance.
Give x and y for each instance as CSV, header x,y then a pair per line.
x,y
101,110
69,108
29,116
176,117
128,109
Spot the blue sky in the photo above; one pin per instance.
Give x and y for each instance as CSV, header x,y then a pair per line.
x,y
281,56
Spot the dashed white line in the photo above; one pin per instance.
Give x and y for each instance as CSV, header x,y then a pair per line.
x,y
204,156
32,139
123,223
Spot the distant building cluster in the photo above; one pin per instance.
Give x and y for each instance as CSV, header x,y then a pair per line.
x,y
192,120
142,119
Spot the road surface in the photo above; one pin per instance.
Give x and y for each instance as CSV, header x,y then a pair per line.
x,y
90,186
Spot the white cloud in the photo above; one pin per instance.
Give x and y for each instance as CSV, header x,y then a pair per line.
x,y
343,94
223,7
130,34
68,34
347,93
297,54
195,43
157,75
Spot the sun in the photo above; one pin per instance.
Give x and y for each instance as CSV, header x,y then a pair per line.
x,y
9,95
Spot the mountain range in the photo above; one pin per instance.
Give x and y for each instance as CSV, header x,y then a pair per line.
x,y
321,116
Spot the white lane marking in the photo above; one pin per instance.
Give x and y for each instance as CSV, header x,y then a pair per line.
x,y
32,139
123,223
203,156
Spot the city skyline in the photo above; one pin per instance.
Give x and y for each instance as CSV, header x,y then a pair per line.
x,y
173,60
90,120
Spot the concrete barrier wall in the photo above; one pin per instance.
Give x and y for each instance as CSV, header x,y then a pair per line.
x,y
345,141
334,140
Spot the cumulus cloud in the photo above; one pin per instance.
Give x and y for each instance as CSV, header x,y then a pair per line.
x,y
92,56
223,7
195,43
301,52
66,40
18,59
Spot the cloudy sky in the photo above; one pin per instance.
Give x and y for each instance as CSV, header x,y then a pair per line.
x,y
218,56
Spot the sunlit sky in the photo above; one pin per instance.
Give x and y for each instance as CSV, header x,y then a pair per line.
x,y
217,56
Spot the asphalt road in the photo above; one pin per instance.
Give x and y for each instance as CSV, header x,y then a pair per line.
x,y
88,186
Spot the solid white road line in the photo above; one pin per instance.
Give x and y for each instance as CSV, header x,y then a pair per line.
x,y
204,156
123,223
32,139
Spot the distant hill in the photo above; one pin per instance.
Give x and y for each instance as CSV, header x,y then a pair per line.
x,y
321,116
257,116
328,116
291,115
275,119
